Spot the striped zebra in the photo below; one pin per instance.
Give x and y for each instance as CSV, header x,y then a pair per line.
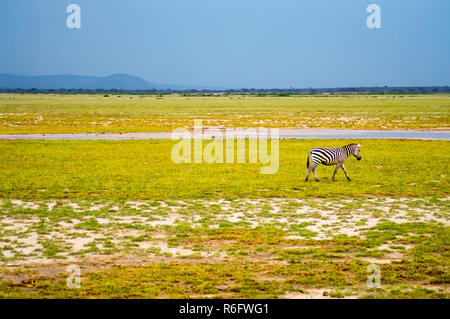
x,y
331,156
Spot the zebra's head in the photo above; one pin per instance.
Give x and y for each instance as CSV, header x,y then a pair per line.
x,y
353,149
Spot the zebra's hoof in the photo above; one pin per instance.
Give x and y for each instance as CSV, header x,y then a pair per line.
x,y
349,179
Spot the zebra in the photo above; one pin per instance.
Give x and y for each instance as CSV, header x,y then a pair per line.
x,y
332,156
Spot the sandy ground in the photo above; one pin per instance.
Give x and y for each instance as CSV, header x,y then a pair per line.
x,y
28,228
42,238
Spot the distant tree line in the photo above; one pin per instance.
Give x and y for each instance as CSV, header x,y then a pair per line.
x,y
252,91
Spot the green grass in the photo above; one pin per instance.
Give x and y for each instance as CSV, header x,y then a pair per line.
x,y
144,169
268,252
261,261
47,113
243,277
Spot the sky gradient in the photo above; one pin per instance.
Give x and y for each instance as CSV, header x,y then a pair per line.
x,y
232,43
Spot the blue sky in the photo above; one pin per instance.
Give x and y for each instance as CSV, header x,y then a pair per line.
x,y
232,43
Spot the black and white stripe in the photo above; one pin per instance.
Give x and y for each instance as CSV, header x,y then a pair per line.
x,y
331,156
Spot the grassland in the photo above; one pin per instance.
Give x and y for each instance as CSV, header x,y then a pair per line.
x,y
144,170
285,248
140,226
46,113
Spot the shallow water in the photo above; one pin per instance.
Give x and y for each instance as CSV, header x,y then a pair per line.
x,y
283,133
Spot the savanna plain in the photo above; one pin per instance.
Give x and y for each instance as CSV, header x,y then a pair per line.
x,y
140,226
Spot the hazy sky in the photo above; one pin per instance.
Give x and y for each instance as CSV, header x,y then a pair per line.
x,y
232,43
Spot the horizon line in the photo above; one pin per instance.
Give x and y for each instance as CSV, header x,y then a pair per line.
x,y
212,87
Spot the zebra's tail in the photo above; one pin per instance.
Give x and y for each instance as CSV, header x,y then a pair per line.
x,y
307,162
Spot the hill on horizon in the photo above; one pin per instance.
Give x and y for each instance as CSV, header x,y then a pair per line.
x,y
116,81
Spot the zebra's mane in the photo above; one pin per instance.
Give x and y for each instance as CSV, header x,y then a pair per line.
x,y
348,145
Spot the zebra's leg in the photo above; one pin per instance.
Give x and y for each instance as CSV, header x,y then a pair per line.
x,y
335,171
307,176
345,171
315,174
313,169
310,168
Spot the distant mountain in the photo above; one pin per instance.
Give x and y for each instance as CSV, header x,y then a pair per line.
x,y
115,81
123,82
